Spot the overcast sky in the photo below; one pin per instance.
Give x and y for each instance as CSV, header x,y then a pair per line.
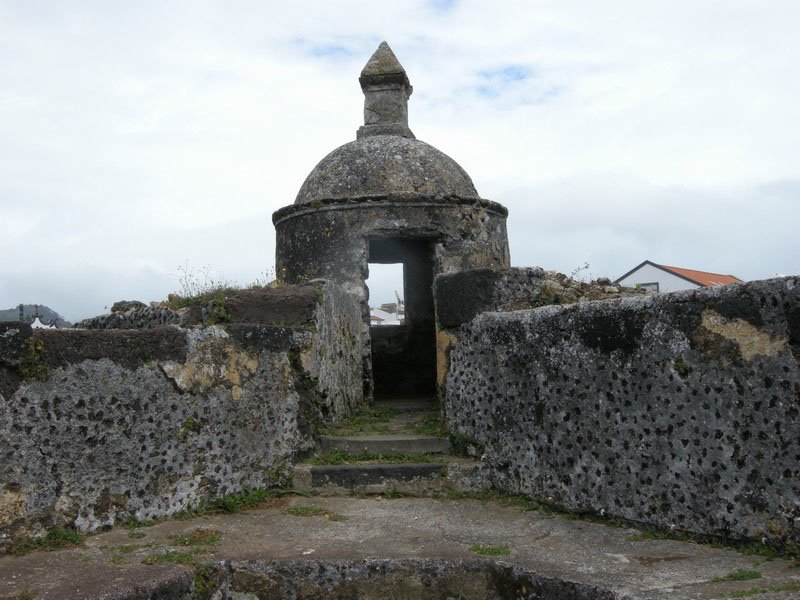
x,y
136,136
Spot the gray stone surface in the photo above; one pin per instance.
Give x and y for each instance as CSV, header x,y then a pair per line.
x,y
386,164
403,548
463,295
148,422
679,410
388,186
141,317
385,444
386,90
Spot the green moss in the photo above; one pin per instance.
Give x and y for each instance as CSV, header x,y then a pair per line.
x,y
170,556
247,499
490,550
134,523
32,364
205,582
189,425
373,419
340,457
56,539
681,367
315,511
546,296
783,587
23,594
432,424
215,295
460,444
198,537
739,575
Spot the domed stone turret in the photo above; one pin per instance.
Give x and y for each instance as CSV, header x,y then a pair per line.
x,y
389,198
386,159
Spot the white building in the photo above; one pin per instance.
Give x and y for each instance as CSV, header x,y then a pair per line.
x,y
378,316
663,278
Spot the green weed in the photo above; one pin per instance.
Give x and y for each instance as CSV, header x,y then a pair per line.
x,y
461,443
337,456
371,420
432,424
739,575
198,537
56,539
490,550
315,511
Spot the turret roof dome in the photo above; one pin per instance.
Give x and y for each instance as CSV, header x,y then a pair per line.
x,y
386,159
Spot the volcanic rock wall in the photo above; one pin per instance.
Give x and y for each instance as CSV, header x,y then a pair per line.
x,y
100,425
680,410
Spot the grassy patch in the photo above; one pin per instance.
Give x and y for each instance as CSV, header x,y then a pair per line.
x,y
520,501
392,493
340,457
490,550
136,535
33,364
783,587
247,499
56,539
681,367
739,575
767,551
464,445
315,511
23,594
432,424
198,537
370,420
170,556
205,582
134,523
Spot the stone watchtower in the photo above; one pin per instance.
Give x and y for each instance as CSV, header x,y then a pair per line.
x,y
389,198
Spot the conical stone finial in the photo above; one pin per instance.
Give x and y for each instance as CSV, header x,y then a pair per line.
x,y
386,90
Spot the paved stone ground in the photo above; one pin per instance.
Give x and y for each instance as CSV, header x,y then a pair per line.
x,y
374,537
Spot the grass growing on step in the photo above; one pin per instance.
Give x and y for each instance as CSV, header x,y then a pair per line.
x,y
56,539
373,419
782,587
739,575
431,424
315,511
134,523
490,550
198,537
337,456
171,556
23,594
520,501
247,499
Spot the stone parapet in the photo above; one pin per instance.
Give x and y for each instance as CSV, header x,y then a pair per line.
x,y
677,410
97,426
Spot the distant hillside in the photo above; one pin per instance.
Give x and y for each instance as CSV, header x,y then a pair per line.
x,y
29,311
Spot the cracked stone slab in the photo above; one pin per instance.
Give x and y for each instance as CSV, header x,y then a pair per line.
x,y
378,538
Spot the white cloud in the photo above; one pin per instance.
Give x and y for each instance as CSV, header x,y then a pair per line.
x,y
139,135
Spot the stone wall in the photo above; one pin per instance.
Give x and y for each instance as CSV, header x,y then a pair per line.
x,y
679,410
100,425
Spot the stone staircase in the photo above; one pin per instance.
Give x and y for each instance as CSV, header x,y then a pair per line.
x,y
395,447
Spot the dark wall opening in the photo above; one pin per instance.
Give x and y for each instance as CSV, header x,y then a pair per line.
x,y
404,356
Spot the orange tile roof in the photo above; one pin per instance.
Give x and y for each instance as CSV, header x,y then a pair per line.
x,y
702,277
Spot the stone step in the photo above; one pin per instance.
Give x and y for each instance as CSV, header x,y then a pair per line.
x,y
408,479
407,405
385,444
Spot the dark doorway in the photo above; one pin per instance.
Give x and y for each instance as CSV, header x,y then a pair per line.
x,y
404,356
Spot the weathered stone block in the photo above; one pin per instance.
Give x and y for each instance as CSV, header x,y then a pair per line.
x,y
679,410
